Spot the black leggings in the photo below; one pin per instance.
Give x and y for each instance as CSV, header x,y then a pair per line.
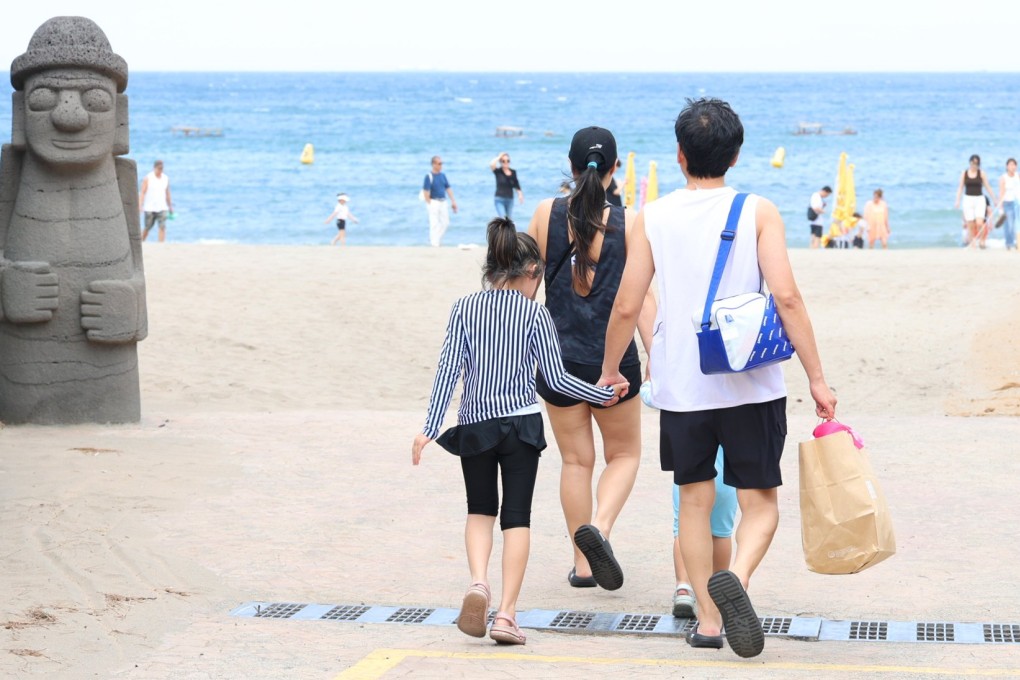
x,y
517,462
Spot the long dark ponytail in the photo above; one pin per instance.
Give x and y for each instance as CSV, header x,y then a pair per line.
x,y
511,254
592,155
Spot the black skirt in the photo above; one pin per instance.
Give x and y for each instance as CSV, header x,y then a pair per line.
x,y
476,438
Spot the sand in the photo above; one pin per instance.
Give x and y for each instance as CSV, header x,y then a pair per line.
x,y
281,388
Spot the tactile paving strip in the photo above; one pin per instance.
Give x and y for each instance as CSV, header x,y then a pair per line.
x,y
607,623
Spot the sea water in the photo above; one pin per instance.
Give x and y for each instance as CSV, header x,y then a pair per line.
x,y
374,133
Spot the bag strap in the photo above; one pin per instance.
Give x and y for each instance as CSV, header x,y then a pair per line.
x,y
725,243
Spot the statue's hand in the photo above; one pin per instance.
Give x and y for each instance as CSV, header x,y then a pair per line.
x,y
109,311
28,292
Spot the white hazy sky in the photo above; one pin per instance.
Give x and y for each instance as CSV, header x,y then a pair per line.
x,y
541,35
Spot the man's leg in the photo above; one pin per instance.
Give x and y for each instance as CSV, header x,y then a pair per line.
x,y
759,517
444,220
435,235
696,549
161,216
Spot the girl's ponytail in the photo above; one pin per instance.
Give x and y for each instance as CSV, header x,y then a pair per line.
x,y
510,254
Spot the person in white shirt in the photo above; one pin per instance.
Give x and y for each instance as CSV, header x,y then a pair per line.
x,y
342,213
676,239
816,208
1009,201
155,200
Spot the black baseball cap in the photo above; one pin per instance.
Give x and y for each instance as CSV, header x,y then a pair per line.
x,y
593,144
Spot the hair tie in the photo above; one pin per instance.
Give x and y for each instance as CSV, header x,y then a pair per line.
x,y
593,164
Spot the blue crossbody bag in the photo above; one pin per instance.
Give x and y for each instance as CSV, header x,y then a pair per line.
x,y
742,332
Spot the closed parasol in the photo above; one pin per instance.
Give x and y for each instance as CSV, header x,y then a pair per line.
x,y
630,183
846,197
843,219
653,183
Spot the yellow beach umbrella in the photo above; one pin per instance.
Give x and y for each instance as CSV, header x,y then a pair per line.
x,y
630,183
838,210
850,196
843,219
653,183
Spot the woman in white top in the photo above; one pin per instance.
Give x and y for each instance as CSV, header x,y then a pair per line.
x,y
1009,193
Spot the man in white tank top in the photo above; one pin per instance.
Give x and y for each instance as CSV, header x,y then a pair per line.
x,y
676,239
155,200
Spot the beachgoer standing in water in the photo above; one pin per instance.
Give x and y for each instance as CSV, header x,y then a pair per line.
x,y
1009,201
342,213
506,184
436,188
155,200
974,182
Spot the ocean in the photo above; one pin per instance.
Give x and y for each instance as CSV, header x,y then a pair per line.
x,y
374,133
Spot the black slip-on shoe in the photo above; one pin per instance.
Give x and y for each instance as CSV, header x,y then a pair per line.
x,y
576,581
696,639
596,549
741,624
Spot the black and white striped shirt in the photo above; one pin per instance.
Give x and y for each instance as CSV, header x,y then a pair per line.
x,y
495,338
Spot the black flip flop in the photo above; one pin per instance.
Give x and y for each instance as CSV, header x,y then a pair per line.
x,y
576,581
741,624
596,549
696,639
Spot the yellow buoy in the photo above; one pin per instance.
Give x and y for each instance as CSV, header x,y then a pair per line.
x,y
778,157
308,155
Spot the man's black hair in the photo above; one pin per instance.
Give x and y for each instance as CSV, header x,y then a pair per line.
x,y
710,134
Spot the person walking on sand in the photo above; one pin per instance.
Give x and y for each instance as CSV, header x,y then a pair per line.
x,y
494,338
155,200
584,243
506,184
342,213
876,214
1009,201
973,184
816,208
435,190
676,239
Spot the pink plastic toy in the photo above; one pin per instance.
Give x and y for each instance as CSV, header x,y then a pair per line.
x,y
830,426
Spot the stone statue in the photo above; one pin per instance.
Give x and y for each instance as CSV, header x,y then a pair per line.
x,y
72,289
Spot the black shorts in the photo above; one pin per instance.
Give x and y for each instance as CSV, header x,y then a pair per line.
x,y
751,435
341,225
816,230
590,374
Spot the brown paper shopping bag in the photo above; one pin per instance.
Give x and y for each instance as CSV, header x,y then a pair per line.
x,y
845,522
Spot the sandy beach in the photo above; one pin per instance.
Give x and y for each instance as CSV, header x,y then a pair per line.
x,y
281,389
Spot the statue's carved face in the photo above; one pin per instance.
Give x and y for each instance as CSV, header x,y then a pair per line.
x,y
70,116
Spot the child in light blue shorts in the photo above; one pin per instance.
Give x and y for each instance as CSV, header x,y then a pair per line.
x,y
723,513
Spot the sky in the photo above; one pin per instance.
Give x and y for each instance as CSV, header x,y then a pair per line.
x,y
542,35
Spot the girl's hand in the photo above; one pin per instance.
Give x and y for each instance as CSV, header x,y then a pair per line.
x,y
419,443
619,390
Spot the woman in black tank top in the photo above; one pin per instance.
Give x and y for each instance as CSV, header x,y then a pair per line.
x,y
973,184
583,240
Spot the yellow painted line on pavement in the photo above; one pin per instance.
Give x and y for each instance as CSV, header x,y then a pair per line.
x,y
378,662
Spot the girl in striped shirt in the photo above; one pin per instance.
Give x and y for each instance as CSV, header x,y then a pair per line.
x,y
495,338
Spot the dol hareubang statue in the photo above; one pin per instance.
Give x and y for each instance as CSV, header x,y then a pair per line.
x,y
72,290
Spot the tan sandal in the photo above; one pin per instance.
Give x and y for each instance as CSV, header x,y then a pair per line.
x,y
506,635
474,611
